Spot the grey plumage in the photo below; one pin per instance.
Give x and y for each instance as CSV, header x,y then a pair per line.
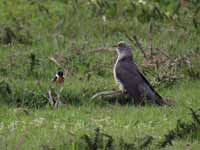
x,y
133,82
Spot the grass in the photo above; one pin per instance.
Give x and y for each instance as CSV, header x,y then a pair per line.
x,y
32,31
25,128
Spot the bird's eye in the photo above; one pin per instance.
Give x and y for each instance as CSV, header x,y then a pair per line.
x,y
120,45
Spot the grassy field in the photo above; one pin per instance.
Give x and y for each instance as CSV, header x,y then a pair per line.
x,y
23,128
32,31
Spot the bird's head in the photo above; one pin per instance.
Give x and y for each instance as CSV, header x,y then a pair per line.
x,y
123,49
59,77
60,73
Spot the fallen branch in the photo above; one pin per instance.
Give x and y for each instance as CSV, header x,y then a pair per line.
x,y
124,98
52,59
108,94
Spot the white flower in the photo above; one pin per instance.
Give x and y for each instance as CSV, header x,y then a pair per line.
x,y
104,18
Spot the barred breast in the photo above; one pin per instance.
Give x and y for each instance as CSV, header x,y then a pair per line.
x,y
121,87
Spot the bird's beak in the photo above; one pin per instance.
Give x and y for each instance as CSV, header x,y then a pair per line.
x,y
115,46
109,49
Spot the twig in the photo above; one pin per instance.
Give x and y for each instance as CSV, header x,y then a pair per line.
x,y
139,45
55,61
150,35
129,37
195,116
107,94
164,53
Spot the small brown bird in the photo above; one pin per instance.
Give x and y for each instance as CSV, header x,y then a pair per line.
x,y
59,78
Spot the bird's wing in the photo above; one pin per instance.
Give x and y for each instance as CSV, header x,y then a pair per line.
x,y
134,81
127,74
54,79
151,92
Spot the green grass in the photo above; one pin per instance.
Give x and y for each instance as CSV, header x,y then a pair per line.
x,y
69,31
53,127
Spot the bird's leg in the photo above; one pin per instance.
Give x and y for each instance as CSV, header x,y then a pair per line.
x,y
124,92
122,89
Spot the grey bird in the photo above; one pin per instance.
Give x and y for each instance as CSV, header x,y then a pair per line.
x,y
131,80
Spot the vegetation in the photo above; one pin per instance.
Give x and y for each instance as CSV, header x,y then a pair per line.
x,y
165,38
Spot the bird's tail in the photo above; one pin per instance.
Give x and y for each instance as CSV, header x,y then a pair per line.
x,y
169,101
165,101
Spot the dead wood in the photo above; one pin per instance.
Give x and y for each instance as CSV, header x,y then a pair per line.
x,y
113,97
124,98
107,94
52,59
